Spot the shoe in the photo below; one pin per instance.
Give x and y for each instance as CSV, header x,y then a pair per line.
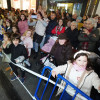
x,y
8,68
13,78
22,80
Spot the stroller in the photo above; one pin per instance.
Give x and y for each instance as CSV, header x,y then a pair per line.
x,y
46,58
48,46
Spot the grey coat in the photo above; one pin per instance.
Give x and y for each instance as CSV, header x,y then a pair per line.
x,y
91,39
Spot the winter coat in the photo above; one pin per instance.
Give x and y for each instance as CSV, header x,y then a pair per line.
x,y
27,41
61,53
87,80
23,26
57,31
91,39
16,51
51,26
72,36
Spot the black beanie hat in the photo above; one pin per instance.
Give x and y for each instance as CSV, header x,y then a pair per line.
x,y
62,36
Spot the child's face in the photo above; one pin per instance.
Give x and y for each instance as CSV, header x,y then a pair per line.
x,y
14,29
6,38
8,24
16,42
81,61
62,41
22,17
4,24
28,34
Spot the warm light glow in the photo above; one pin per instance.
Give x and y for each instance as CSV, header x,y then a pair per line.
x,y
16,4
25,4
4,3
33,4
62,5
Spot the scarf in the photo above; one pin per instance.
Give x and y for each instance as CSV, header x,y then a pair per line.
x,y
85,44
78,68
58,29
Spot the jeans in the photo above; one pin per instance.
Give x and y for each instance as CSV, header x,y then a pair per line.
x,y
36,45
42,43
47,38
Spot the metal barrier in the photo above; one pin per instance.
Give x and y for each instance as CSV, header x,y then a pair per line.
x,y
59,77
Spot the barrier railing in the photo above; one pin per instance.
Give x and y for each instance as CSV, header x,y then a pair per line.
x,y
67,83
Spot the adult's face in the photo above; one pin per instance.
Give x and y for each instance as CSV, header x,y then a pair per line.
x,y
74,16
73,26
89,25
53,16
60,22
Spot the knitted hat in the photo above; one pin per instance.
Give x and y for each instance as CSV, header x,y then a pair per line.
x,y
79,18
62,36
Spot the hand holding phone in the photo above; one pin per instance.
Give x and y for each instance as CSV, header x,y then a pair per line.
x,y
34,16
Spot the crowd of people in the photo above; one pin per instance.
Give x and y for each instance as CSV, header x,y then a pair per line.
x,y
22,33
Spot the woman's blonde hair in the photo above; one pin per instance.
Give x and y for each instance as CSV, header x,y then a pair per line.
x,y
27,31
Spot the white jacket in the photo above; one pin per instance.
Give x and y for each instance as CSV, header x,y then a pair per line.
x,y
89,79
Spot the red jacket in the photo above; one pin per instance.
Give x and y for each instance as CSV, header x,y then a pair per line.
x,y
58,30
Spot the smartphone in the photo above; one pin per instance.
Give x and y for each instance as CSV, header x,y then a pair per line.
x,y
34,16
